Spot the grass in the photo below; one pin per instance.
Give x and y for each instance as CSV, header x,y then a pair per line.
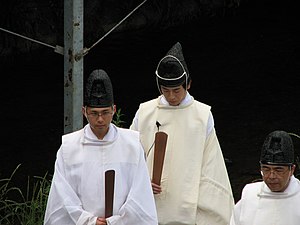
x,y
117,120
19,208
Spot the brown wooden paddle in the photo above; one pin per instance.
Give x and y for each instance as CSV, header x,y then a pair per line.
x,y
159,155
109,192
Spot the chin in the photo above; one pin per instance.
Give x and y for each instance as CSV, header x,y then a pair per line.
x,y
275,187
174,103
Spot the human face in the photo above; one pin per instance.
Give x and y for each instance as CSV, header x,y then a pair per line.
x,y
174,95
277,177
99,119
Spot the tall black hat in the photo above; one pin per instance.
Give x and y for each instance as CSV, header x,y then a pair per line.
x,y
172,70
99,90
278,148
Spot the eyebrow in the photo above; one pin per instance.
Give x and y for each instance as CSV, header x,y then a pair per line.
x,y
274,167
169,89
104,110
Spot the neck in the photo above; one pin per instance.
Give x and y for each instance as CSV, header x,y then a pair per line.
x,y
100,133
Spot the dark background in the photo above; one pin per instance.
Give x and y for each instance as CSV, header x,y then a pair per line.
x,y
245,65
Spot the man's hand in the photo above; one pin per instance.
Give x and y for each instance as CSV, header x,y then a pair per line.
x,y
156,188
101,221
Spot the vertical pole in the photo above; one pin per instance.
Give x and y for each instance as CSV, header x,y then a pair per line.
x,y
73,65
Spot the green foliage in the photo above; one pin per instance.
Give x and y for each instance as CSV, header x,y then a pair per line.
x,y
117,120
24,209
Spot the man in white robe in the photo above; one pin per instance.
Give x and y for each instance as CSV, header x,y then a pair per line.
x,y
276,199
195,187
77,194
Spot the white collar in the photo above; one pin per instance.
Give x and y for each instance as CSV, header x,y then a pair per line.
x,y
187,99
109,137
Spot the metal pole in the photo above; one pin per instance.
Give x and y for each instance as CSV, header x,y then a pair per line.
x,y
73,65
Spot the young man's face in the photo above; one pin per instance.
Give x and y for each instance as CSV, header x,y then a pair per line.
x,y
99,119
277,177
174,95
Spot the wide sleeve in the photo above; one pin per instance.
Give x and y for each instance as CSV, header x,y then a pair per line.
x,y
139,207
134,124
64,205
215,200
234,220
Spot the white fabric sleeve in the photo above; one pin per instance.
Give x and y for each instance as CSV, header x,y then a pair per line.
x,y
64,206
215,188
210,124
234,220
134,125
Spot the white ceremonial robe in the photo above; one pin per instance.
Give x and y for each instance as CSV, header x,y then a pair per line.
x,y
195,184
260,206
77,194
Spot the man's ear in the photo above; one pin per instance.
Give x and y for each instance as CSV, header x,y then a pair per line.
x,y
189,85
83,110
293,168
114,109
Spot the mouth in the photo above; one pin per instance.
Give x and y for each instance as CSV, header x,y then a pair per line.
x,y
100,126
273,185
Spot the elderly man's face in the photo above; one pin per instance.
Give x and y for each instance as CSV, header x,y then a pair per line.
x,y
277,177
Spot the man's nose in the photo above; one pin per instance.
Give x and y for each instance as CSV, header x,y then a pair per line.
x,y
172,94
272,174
